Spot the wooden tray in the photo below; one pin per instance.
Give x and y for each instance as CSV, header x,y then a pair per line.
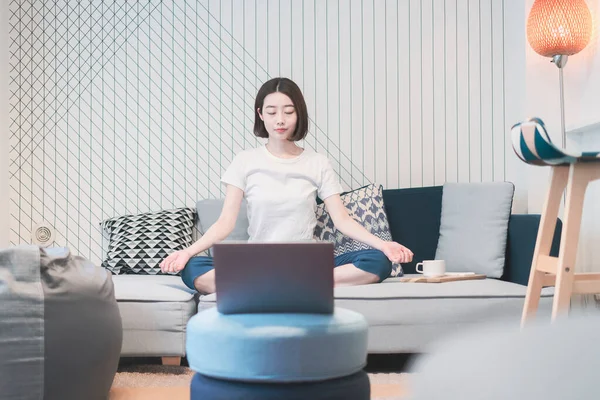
x,y
441,279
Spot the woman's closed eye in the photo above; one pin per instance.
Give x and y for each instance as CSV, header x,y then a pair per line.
x,y
287,113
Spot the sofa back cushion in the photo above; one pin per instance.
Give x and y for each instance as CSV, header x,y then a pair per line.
x,y
474,227
414,218
522,235
208,212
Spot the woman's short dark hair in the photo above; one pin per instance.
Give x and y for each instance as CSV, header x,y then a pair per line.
x,y
290,89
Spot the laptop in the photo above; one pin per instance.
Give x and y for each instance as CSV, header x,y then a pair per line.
x,y
274,277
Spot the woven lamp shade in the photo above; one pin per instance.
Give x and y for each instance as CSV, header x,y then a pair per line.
x,y
559,27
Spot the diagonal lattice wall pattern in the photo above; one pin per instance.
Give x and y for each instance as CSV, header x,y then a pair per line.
x,y
120,107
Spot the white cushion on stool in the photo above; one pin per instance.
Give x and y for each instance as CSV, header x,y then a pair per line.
x,y
277,347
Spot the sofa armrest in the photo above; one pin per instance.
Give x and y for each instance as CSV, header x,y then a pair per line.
x,y
522,235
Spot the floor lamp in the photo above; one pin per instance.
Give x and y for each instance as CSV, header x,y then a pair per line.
x,y
559,29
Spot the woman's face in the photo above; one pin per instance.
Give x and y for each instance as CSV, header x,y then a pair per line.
x,y
279,115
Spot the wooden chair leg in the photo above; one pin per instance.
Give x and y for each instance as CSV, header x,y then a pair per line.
x,y
543,243
532,297
579,176
171,360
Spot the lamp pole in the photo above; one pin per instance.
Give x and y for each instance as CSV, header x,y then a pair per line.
x,y
560,61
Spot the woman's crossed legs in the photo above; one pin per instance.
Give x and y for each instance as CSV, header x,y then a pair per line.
x,y
356,268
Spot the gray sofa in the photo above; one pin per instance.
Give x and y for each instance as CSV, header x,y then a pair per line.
x,y
403,317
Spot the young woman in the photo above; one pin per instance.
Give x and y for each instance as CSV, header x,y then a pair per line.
x,y
280,182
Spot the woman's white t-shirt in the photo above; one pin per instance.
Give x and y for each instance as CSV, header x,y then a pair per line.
x,y
281,192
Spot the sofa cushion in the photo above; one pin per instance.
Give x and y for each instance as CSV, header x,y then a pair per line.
x,y
404,317
155,310
414,217
471,289
154,329
138,243
392,288
366,206
450,303
209,211
157,288
473,227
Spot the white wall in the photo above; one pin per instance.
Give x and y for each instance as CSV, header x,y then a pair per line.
x,y
4,131
140,106
516,83
582,105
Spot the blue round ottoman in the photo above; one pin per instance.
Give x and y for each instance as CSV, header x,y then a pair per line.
x,y
277,347
353,387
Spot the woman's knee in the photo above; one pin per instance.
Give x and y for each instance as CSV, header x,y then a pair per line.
x,y
205,283
377,263
196,268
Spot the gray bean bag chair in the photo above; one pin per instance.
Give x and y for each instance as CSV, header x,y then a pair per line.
x,y
60,327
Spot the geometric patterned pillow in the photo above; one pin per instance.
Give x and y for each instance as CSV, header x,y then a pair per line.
x,y
366,206
138,243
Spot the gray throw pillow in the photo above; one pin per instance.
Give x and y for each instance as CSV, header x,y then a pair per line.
x,y
474,227
208,212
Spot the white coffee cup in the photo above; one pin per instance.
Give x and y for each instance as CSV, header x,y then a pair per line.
x,y
432,268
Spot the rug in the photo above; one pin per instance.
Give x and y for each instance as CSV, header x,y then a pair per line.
x,y
150,382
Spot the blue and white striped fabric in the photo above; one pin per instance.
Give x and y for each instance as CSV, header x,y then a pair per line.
x,y
532,144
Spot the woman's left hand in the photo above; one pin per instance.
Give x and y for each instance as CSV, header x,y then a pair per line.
x,y
397,253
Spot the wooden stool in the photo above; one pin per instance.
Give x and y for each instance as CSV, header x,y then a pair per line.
x,y
574,171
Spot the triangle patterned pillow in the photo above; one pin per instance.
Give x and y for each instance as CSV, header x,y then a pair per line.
x,y
366,206
138,243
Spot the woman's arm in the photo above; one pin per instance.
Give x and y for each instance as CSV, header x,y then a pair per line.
x,y
216,233
349,227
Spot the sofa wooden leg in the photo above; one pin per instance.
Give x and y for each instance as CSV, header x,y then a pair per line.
x,y
171,360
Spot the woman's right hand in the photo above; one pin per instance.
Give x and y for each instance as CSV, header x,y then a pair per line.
x,y
175,262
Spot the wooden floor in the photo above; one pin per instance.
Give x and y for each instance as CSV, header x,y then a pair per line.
x,y
177,393
148,379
